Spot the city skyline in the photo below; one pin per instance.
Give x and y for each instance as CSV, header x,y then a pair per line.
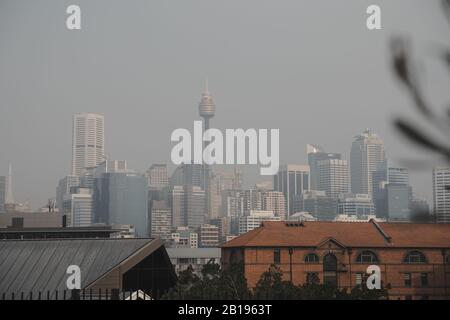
x,y
152,92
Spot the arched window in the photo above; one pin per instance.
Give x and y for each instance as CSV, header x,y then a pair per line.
x,y
367,256
311,258
415,257
330,269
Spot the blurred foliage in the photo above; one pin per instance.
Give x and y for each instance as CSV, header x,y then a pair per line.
x,y
219,284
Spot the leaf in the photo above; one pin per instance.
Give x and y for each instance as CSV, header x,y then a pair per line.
x,y
413,134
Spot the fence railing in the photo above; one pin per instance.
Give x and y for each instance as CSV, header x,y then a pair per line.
x,y
84,294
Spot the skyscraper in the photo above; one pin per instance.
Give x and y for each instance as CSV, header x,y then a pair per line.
x,y
441,194
9,197
398,175
63,188
292,181
78,207
2,193
188,206
333,177
88,141
121,198
158,177
367,156
315,154
160,220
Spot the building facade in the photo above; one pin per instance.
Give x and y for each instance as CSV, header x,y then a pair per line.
x,y
88,141
158,176
78,207
121,198
2,193
292,181
333,177
360,205
441,194
366,156
160,220
414,259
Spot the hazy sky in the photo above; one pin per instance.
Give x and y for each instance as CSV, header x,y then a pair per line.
x,y
309,68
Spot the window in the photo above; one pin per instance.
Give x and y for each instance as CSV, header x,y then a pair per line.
x,y
407,278
408,297
367,257
358,279
448,259
424,279
312,278
311,258
415,257
330,269
276,256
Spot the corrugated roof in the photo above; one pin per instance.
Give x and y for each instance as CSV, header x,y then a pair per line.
x,y
40,265
356,234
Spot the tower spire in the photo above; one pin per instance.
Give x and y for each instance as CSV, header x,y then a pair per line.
x,y
9,198
206,86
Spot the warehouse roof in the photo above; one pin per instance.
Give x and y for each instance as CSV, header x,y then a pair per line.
x,y
40,265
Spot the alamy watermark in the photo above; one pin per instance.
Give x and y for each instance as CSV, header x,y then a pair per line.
x,y
239,145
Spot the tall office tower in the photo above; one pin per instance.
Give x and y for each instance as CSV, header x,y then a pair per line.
x,y
441,194
396,202
195,213
88,141
215,190
367,156
188,206
398,175
160,220
177,203
2,193
121,198
158,177
333,177
63,188
78,207
292,180
315,154
274,201
9,197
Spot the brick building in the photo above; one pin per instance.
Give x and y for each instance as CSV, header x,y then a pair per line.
x,y
414,258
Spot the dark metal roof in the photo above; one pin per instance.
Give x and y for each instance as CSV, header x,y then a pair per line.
x,y
40,265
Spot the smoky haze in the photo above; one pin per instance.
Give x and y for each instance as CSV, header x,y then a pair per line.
x,y
309,68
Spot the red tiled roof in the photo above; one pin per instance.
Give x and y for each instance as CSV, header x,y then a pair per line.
x,y
351,234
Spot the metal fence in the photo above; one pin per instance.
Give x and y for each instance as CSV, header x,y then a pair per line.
x,y
89,294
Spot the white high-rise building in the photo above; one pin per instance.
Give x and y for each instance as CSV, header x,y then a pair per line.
x,y
366,157
333,177
441,194
88,141
254,218
9,197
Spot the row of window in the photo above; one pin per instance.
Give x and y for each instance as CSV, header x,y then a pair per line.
x,y
365,256
313,278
